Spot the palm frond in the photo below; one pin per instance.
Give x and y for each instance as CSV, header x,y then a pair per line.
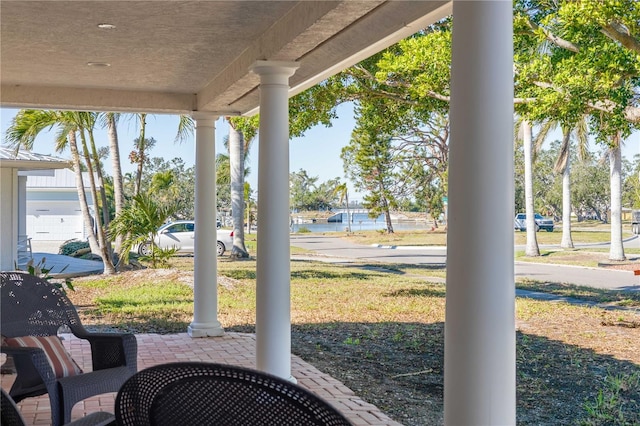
x,y
26,125
565,148
541,137
185,128
581,131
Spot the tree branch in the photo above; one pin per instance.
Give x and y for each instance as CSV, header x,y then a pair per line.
x,y
560,42
618,32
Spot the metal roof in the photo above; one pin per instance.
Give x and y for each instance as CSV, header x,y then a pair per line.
x,y
61,179
27,160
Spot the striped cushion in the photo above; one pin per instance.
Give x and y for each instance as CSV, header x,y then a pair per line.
x,y
60,360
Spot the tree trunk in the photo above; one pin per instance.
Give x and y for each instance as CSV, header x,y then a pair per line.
x,y
118,191
82,196
346,200
387,213
615,163
532,248
104,251
248,218
236,164
141,153
103,194
567,241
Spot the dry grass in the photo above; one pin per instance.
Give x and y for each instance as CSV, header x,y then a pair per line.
x,y
380,331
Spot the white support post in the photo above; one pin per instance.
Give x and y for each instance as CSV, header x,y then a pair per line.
x,y
273,316
24,245
8,218
480,325
205,275
22,206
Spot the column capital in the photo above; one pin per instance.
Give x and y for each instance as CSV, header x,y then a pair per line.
x,y
204,115
280,70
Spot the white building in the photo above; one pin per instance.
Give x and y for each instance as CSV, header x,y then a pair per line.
x,y
53,208
14,169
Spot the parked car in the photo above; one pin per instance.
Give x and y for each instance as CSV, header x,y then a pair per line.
x,y
181,235
520,222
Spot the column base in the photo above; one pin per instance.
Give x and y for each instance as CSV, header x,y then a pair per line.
x,y
205,330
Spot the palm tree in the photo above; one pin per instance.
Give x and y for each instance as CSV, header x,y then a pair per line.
x,y
525,134
236,167
343,192
27,124
580,130
616,251
84,122
139,156
110,120
242,131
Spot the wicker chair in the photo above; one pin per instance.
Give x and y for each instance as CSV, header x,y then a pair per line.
x,y
10,415
32,306
199,393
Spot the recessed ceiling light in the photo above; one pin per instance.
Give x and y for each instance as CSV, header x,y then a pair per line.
x,y
98,64
106,26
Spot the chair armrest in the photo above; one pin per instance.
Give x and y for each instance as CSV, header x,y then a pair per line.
x,y
110,350
32,367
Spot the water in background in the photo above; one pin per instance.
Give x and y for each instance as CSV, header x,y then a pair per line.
x,y
361,222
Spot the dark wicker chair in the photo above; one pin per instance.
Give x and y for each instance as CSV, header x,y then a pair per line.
x,y
32,306
199,393
10,415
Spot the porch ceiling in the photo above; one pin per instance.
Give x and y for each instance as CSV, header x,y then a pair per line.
x,y
180,56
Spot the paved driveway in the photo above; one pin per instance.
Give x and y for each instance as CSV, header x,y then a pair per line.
x,y
336,249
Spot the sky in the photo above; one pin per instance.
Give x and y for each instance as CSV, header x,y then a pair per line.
x,y
317,152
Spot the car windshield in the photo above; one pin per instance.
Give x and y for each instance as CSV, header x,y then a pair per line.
x,y
537,216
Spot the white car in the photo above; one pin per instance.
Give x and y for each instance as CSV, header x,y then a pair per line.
x,y
520,222
181,235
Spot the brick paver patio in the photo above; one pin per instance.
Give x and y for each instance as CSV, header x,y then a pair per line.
x,y
232,348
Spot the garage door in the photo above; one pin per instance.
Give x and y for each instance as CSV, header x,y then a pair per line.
x,y
54,221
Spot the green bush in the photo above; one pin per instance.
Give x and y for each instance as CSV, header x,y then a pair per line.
x,y
75,248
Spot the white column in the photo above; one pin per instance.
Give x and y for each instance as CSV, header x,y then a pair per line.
x,y
480,382
24,253
273,316
22,206
8,218
205,274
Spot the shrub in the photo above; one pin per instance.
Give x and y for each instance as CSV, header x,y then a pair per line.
x,y
74,248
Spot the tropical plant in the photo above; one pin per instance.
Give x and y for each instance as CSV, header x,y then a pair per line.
x,y
40,270
139,223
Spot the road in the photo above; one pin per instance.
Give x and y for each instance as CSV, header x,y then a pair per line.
x,y
335,249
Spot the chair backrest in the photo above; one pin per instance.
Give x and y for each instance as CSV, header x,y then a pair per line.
x,y
198,393
31,306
